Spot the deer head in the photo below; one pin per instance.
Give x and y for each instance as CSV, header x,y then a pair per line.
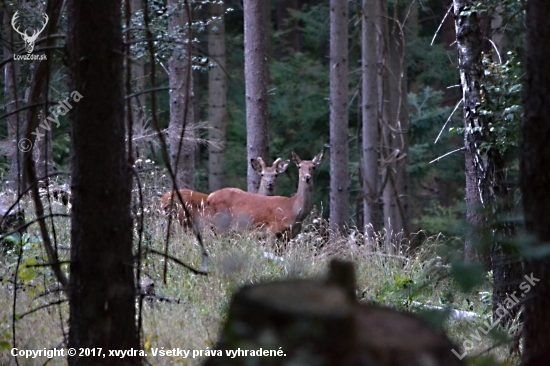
x,y
268,174
29,40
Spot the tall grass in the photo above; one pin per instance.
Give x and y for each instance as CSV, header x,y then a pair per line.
x,y
235,260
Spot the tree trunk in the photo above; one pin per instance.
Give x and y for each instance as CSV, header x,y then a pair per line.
x,y
12,75
535,179
217,100
369,109
505,261
339,149
486,195
102,288
388,115
138,75
43,153
397,131
43,148
182,144
256,74
469,43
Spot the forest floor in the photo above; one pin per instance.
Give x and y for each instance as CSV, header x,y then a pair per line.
x,y
383,276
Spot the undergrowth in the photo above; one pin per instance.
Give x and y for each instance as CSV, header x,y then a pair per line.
x,y
406,283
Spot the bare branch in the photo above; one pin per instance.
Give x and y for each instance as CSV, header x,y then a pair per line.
x,y
176,260
449,153
448,119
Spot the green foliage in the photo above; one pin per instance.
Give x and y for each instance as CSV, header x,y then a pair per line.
x,y
299,111
442,219
398,291
428,115
468,275
429,64
315,26
508,9
436,201
503,104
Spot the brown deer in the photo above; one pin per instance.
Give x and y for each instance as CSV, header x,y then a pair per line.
x,y
196,201
276,216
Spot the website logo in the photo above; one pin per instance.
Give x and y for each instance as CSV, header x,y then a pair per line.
x,y
29,40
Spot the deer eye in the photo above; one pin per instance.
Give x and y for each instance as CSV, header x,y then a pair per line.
x,y
276,175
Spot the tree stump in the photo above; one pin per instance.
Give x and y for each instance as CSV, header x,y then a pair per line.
x,y
307,322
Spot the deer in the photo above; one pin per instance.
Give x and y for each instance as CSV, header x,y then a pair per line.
x,y
268,174
275,216
196,201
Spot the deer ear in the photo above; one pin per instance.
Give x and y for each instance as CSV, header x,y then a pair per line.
x,y
295,158
318,158
281,168
256,165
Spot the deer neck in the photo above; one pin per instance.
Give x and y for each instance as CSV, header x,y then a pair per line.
x,y
303,200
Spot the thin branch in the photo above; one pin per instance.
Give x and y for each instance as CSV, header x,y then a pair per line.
x,y
449,153
145,92
496,50
43,307
176,260
441,24
23,108
26,225
49,264
448,119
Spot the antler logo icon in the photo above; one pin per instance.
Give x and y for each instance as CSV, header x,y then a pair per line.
x,y
29,40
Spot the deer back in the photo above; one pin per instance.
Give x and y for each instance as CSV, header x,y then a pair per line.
x,y
194,201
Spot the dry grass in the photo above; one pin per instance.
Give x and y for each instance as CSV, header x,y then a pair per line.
x,y
235,260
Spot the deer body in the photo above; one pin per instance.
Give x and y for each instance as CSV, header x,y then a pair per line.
x,y
232,208
196,201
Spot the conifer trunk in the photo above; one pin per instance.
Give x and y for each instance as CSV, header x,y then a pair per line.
x,y
339,149
256,79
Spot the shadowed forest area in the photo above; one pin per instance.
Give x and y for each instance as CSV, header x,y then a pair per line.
x,y
163,162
